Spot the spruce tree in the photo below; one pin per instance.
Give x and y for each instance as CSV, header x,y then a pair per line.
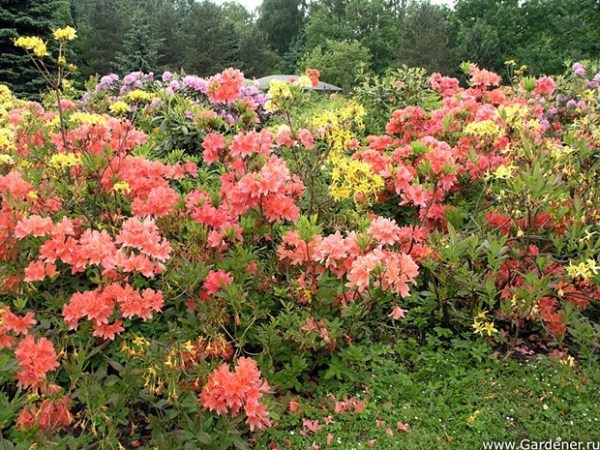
x,y
140,49
25,18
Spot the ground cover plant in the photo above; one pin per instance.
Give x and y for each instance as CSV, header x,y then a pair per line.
x,y
192,263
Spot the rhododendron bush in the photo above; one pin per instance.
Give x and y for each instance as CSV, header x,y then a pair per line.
x,y
182,256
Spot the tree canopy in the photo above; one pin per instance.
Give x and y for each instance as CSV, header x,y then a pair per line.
x,y
203,37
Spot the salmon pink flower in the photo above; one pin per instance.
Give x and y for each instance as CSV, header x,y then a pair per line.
x,y
213,146
231,391
33,226
216,280
225,87
35,359
397,312
386,231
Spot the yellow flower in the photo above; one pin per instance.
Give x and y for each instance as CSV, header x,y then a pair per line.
x,y
478,327
89,118
584,269
482,315
141,341
6,160
64,160
483,129
122,187
6,139
137,95
34,44
483,327
65,34
352,178
503,172
279,90
513,114
119,108
489,328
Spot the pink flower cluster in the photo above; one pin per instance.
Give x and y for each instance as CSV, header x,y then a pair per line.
x,y
421,159
255,180
227,391
99,305
380,258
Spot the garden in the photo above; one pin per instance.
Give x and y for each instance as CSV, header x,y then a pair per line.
x,y
192,263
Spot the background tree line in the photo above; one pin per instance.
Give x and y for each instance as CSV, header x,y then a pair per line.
x,y
337,36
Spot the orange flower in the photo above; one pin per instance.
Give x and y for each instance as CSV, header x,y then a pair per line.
x,y
35,360
314,75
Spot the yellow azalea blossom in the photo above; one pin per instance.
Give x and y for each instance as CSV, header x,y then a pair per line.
x,y
483,327
122,187
482,315
279,90
7,102
119,108
6,160
513,114
141,341
89,118
503,172
53,124
270,106
584,269
67,84
336,126
34,44
570,361
353,179
64,160
484,129
6,139
478,327
65,34
139,96
489,328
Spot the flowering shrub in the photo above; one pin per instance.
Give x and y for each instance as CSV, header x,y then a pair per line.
x,y
181,254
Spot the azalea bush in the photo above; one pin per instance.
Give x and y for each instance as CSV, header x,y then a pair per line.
x,y
183,259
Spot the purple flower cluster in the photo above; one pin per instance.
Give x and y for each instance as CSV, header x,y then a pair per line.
x,y
195,83
594,82
135,80
254,93
579,70
107,82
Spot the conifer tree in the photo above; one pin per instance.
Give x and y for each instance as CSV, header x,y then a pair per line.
x,y
26,18
140,49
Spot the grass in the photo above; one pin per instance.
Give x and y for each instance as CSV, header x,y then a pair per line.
x,y
454,398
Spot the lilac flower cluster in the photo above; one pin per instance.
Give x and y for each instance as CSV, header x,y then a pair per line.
x,y
107,82
135,80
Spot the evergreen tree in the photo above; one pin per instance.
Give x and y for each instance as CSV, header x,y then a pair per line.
x,y
424,39
26,18
281,21
140,49
101,26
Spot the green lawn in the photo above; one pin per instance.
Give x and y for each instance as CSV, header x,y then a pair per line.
x,y
453,398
